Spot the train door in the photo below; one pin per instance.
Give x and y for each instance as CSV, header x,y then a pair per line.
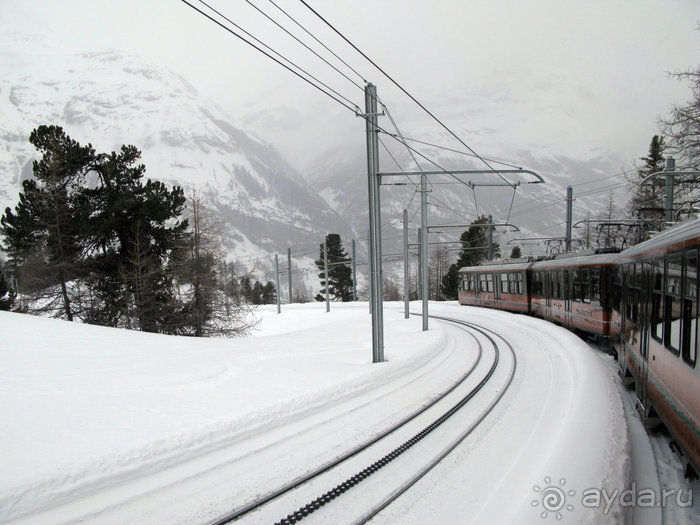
x,y
644,285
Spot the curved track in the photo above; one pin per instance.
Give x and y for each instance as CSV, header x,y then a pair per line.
x,y
407,450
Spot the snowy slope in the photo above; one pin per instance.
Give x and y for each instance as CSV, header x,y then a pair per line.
x,y
112,426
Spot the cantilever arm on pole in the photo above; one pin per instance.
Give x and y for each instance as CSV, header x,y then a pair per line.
x,y
538,178
664,173
443,226
612,222
537,239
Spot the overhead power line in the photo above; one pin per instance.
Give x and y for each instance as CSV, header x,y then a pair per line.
x,y
311,79
321,43
468,154
436,119
268,55
301,42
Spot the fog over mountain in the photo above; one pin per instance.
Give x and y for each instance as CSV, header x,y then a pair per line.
x,y
110,98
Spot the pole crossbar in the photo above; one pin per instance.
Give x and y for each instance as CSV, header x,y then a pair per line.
x,y
443,226
539,180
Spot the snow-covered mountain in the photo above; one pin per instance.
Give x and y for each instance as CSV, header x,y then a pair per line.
x,y
110,98
536,210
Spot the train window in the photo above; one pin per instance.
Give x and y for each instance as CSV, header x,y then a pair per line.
x,y
555,283
504,283
627,290
578,285
594,293
631,291
672,301
511,282
486,282
518,281
657,303
690,308
561,277
586,285
538,283
616,295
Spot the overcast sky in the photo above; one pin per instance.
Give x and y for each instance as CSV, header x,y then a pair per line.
x,y
565,77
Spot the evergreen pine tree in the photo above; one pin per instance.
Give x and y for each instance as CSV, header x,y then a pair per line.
x,y
7,294
269,296
135,229
47,224
98,250
474,250
647,201
339,271
247,289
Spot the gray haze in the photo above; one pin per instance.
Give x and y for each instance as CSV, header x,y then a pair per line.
x,y
570,78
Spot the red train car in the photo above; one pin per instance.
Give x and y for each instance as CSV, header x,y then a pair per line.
x,y
504,286
575,292
644,300
656,322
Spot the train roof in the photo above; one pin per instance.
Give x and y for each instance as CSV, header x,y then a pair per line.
x,y
579,260
564,262
512,266
677,235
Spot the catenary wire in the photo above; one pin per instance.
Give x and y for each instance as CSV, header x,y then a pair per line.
x,y
288,68
321,43
303,44
354,108
403,90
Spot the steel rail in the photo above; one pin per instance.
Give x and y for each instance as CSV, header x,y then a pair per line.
x,y
368,471
257,503
456,442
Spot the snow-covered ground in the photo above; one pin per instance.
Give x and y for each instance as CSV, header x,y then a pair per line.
x,y
111,426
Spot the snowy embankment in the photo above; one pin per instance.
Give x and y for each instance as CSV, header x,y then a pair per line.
x,y
108,426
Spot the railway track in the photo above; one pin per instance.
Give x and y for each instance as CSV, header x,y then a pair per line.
x,y
371,476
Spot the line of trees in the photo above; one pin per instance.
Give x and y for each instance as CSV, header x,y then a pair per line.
x,y
91,239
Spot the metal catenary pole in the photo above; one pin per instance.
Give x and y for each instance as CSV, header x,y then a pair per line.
x,y
375,243
424,245
670,173
289,272
354,273
277,283
668,203
405,264
569,215
325,272
420,266
490,239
